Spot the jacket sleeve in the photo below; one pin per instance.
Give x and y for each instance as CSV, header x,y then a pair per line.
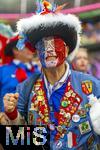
x,y
22,100
94,100
24,90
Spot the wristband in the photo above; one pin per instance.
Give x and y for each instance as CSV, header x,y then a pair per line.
x,y
12,115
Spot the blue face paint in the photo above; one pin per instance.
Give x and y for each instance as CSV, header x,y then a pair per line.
x,y
41,52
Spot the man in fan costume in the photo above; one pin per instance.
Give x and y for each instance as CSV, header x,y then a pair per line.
x,y
65,100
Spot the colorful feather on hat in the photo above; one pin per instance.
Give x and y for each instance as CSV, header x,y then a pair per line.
x,y
44,7
39,5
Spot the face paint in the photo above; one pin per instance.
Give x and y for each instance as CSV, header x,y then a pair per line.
x,y
51,51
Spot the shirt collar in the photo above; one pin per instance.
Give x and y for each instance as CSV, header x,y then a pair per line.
x,y
27,65
67,72
62,80
16,61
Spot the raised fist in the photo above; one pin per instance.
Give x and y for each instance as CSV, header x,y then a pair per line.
x,y
10,101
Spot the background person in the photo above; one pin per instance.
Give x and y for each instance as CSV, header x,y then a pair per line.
x,y
17,66
80,60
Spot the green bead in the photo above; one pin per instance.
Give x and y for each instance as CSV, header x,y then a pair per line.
x,y
64,103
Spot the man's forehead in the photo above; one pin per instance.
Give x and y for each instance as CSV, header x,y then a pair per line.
x,y
51,39
48,40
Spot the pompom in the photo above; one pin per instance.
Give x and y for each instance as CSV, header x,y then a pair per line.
x,y
95,116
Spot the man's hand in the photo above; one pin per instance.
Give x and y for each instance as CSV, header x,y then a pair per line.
x,y
10,102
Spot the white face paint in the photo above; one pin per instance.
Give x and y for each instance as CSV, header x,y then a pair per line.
x,y
51,63
51,59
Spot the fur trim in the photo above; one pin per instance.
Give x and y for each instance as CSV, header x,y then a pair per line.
x,y
38,26
49,19
95,117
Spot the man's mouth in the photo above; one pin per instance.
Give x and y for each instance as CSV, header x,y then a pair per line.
x,y
51,58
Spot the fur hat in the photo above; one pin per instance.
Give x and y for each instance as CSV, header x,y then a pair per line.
x,y
51,23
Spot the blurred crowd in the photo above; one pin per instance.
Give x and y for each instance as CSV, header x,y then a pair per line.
x,y
91,33
87,59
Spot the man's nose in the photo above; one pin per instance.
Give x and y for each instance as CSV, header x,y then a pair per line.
x,y
50,49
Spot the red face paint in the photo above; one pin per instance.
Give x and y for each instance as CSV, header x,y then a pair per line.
x,y
60,49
